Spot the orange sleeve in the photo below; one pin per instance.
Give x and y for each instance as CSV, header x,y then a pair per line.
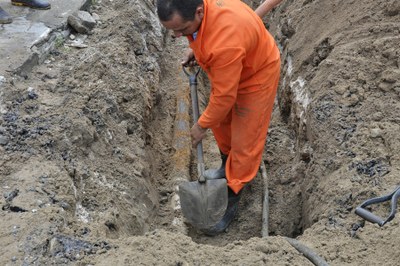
x,y
224,73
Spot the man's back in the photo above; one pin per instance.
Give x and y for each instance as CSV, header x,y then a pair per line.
x,y
233,36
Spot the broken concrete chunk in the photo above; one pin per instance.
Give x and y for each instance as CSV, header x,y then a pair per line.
x,y
82,22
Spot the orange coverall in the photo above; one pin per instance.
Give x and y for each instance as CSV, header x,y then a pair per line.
x,y
242,62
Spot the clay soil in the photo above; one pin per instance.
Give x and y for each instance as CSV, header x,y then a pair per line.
x,y
95,140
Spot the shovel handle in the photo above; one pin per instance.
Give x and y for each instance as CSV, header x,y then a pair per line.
x,y
196,115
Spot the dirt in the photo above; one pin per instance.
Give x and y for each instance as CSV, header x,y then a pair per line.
x,y
94,142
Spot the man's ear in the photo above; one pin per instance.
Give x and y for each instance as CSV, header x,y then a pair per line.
x,y
200,11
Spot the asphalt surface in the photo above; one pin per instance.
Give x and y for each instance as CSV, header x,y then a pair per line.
x,y
33,34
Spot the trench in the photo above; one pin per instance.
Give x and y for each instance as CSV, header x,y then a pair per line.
x,y
286,214
287,181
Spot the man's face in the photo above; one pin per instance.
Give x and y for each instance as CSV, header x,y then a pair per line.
x,y
182,27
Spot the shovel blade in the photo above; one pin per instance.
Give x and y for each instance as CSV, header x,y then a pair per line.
x,y
204,204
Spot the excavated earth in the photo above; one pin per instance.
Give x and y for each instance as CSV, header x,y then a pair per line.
x,y
95,140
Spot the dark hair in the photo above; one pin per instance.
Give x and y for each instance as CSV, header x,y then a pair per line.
x,y
185,8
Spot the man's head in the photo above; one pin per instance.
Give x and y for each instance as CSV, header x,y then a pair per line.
x,y
182,16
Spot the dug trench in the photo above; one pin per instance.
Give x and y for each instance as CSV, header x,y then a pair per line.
x,y
95,141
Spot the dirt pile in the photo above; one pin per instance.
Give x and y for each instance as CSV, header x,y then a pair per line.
x,y
88,153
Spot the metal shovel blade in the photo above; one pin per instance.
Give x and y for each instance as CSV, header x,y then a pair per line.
x,y
204,204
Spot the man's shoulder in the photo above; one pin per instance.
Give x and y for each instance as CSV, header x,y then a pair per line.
x,y
225,14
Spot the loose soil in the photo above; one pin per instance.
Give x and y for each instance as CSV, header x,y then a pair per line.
x,y
95,140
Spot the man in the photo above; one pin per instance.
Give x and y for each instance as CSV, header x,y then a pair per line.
x,y
5,18
230,43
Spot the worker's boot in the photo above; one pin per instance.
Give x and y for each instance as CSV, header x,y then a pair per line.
x,y
36,4
210,174
230,213
5,18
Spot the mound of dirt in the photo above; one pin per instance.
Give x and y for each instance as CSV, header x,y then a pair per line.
x,y
94,142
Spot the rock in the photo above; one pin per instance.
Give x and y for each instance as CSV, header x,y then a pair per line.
x,y
9,196
96,16
82,22
390,76
55,247
376,133
341,89
385,86
287,29
3,140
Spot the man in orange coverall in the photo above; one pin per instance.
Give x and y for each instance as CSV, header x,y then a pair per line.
x,y
230,43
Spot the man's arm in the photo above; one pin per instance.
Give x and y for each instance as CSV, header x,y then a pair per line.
x,y
265,7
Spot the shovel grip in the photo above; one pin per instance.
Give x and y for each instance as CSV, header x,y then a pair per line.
x,y
200,170
369,216
196,115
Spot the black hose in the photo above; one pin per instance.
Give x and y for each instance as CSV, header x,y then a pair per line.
x,y
306,251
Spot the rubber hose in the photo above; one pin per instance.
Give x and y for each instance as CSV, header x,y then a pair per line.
x,y
306,251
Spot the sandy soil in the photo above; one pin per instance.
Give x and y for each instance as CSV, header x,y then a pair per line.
x,y
94,143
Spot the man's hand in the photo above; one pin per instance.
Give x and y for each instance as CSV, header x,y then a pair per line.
x,y
189,60
197,133
265,7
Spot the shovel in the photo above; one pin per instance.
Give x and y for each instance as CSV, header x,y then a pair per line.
x,y
203,202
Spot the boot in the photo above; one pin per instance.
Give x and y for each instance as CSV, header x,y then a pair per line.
x,y
231,210
36,4
217,173
5,18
